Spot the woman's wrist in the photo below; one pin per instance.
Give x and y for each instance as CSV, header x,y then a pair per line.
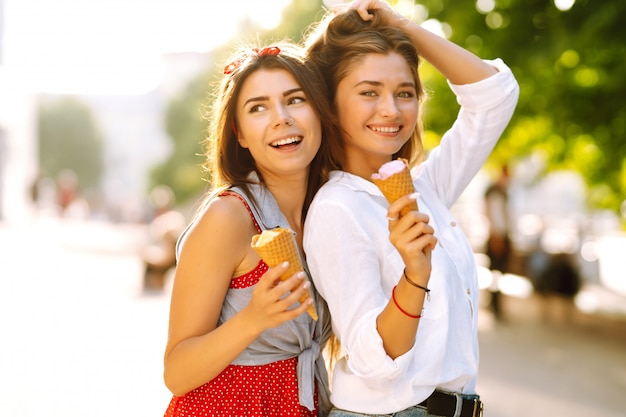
x,y
416,284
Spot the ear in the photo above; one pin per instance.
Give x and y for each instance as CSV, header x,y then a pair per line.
x,y
242,141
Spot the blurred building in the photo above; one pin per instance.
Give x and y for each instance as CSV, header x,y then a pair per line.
x,y
132,124
134,130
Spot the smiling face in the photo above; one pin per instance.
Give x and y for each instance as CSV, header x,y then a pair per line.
x,y
377,105
277,124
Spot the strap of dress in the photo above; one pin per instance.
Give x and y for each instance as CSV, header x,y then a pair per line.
x,y
248,206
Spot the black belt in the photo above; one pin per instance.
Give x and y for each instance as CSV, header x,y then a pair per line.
x,y
443,404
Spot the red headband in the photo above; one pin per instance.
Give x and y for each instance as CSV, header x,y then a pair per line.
x,y
270,50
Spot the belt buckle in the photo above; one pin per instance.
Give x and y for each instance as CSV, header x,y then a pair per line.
x,y
478,408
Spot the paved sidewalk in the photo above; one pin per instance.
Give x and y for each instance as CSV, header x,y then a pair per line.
x,y
538,367
79,337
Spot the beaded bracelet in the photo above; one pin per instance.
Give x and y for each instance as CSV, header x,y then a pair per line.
x,y
393,297
416,285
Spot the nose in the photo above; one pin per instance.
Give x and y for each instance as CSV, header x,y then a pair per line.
x,y
387,106
283,118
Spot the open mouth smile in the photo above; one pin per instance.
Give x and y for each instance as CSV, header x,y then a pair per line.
x,y
385,129
292,141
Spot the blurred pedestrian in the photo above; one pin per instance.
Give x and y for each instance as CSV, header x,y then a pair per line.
x,y
70,201
559,277
405,314
239,343
167,223
67,189
557,283
498,245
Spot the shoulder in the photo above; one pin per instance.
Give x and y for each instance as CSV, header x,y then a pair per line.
x,y
344,200
223,207
344,185
224,218
341,191
226,210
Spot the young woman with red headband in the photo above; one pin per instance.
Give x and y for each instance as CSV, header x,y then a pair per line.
x,y
239,342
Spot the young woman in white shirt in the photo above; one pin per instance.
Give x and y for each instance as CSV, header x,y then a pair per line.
x,y
402,292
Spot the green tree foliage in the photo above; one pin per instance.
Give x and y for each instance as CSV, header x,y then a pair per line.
x,y
570,66
182,170
296,19
70,139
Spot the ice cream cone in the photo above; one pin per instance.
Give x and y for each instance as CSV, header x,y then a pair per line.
x,y
396,185
276,246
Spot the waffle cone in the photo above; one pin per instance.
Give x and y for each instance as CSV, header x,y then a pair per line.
x,y
276,246
396,186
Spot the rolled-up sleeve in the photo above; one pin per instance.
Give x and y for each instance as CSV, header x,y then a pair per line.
x,y
492,92
486,109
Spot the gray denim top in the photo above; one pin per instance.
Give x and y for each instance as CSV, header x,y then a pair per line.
x,y
292,338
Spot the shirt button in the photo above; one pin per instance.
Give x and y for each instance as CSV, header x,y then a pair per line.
x,y
468,291
453,224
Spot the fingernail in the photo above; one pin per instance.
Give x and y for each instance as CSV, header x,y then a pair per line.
x,y
306,285
414,196
285,264
301,275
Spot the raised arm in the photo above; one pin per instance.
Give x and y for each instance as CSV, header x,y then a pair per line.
x,y
457,64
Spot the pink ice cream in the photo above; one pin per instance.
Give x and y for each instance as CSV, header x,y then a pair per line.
x,y
394,180
388,169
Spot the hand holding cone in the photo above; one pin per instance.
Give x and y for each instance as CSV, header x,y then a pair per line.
x,y
394,180
276,246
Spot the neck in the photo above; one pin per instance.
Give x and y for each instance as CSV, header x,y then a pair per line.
x,y
289,195
364,168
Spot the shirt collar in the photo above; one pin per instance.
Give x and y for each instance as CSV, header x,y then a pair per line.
x,y
354,182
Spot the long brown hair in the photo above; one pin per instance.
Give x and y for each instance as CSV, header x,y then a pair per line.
x,y
339,42
335,46
227,162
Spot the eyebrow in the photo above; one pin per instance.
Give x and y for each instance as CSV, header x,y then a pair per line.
x,y
378,84
264,98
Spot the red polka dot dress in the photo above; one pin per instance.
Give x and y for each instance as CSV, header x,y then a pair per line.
x,y
268,390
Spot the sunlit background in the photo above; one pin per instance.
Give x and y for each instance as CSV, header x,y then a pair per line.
x,y
124,59
117,47
101,115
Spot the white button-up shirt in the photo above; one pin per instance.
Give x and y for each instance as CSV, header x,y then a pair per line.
x,y
355,267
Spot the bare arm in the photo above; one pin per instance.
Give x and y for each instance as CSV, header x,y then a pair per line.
x,y
216,249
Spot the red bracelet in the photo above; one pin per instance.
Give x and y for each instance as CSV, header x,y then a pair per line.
x,y
393,297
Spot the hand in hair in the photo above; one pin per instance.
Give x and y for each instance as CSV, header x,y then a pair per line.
x,y
387,14
455,63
